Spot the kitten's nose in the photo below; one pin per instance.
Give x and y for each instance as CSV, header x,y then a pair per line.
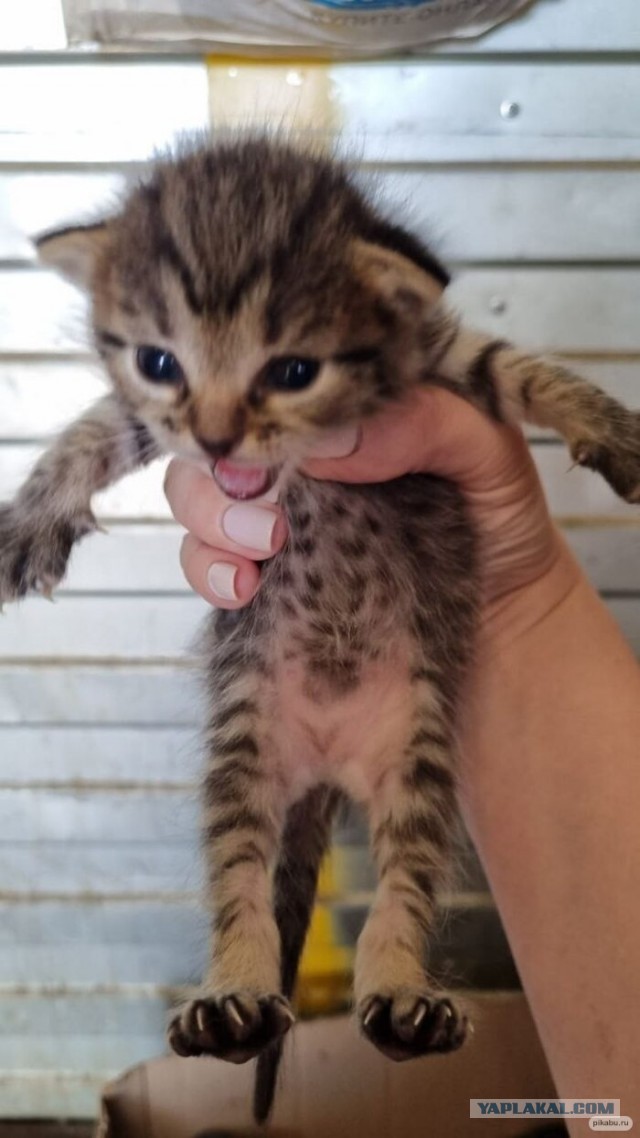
x,y
217,448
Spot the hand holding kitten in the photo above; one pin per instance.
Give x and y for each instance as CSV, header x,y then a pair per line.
x,y
432,432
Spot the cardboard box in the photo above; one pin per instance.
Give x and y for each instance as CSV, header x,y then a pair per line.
x,y
336,1085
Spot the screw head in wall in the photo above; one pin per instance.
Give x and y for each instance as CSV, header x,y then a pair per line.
x,y
497,305
509,109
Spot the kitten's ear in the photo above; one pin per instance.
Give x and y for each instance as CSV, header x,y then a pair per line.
x,y
395,276
73,251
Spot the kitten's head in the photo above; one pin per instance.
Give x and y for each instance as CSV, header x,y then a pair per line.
x,y
246,299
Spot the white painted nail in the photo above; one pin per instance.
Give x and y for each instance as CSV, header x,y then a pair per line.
x,y
250,526
337,444
221,579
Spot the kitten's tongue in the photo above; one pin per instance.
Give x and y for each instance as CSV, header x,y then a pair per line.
x,y
243,481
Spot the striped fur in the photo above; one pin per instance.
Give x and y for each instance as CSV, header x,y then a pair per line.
x,y
343,677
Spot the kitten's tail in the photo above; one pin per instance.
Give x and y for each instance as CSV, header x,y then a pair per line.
x,y
304,842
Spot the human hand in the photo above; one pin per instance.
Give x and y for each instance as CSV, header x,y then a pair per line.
x,y
431,431
226,540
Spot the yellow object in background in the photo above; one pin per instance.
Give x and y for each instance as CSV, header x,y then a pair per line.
x,y
326,968
296,97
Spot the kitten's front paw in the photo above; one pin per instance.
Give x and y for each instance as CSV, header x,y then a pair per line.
x,y
412,1024
34,551
234,1027
616,456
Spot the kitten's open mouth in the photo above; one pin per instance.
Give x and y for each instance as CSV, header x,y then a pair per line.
x,y
243,482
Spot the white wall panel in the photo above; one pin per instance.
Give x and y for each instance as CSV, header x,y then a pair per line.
x,y
94,756
39,397
32,203
97,111
418,111
108,627
95,692
524,213
108,868
438,111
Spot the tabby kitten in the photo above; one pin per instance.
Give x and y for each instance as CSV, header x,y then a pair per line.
x,y
246,299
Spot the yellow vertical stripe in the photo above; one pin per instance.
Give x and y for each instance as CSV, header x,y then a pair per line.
x,y
295,97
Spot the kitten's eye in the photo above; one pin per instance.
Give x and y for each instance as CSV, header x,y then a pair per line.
x,y
290,374
159,365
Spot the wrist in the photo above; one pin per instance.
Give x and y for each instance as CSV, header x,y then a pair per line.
x,y
514,614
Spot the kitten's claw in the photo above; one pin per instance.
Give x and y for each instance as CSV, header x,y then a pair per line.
x,y
420,1014
615,455
234,1012
412,1024
372,1012
234,1027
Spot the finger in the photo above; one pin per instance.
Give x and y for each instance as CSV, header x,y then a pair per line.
x,y
222,578
254,529
431,431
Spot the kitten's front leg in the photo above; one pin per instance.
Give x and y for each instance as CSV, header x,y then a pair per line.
x,y
239,1010
399,1006
512,386
52,510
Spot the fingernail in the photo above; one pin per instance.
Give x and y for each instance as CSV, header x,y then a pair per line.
x,y
251,526
221,578
337,444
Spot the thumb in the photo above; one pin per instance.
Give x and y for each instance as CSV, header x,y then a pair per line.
x,y
431,431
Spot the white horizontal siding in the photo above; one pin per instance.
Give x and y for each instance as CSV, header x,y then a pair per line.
x,y
69,815
97,692
109,628
101,112
103,868
450,112
99,710
434,111
142,756
573,309
513,213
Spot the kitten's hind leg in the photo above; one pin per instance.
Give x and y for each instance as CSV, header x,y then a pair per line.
x,y
512,386
240,1009
399,1006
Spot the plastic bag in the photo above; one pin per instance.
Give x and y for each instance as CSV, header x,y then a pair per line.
x,y
303,27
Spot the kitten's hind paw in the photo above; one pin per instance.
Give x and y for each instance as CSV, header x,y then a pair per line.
x,y
34,551
234,1027
616,456
412,1024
